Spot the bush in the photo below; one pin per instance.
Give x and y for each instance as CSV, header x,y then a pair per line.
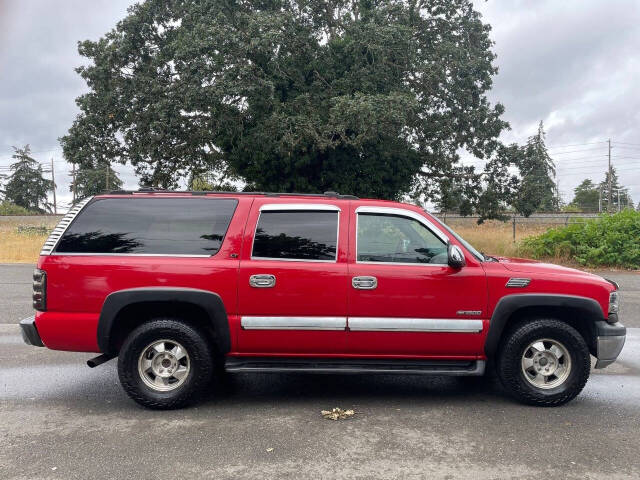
x,y
610,240
8,208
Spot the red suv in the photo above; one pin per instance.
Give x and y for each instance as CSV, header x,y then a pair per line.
x,y
181,285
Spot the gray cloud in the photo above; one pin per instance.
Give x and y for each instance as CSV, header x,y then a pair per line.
x,y
573,64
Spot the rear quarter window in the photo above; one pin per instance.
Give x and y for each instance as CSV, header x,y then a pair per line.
x,y
151,226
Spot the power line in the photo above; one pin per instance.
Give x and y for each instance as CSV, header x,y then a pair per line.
x,y
576,151
573,145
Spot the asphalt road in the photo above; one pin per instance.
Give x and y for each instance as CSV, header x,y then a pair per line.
x,y
60,419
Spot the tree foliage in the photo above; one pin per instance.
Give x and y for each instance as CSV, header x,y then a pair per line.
x,y
586,197
26,186
368,97
620,198
91,180
537,190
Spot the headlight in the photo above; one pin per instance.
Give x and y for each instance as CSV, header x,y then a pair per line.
x,y
613,302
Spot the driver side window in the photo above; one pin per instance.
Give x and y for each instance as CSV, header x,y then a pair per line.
x,y
397,239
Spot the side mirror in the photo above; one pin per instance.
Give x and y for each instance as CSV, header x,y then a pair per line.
x,y
455,257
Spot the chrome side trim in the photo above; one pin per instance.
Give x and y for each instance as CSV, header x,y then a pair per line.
x,y
55,236
518,282
293,323
271,207
397,324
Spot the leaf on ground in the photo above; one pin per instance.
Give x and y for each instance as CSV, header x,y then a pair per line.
x,y
337,414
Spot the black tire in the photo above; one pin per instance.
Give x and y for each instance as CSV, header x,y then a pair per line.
x,y
200,362
510,357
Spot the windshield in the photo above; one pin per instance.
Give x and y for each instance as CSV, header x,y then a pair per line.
x,y
466,244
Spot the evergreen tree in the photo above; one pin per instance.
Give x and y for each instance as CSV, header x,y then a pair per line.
x,y
618,192
26,186
93,180
537,190
586,196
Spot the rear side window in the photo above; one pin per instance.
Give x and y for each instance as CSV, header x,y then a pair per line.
x,y
296,235
161,226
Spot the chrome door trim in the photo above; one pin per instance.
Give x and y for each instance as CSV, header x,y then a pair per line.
x,y
274,207
404,213
262,280
284,207
399,324
293,323
364,282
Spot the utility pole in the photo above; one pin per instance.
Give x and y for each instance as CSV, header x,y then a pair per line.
x,y
107,177
73,175
53,180
618,200
600,200
610,193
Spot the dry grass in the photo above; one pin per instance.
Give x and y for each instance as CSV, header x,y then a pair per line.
x,y
22,247
496,238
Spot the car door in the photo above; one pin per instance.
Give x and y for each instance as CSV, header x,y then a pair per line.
x,y
404,299
293,284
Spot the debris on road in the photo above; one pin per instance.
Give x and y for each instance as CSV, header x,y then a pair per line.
x,y
337,414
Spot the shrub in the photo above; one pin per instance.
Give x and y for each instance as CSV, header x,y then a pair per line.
x,y
8,208
610,240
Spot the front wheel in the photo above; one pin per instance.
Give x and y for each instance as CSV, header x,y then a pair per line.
x,y
165,364
544,362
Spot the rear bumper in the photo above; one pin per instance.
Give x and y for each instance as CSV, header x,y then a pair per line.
x,y
30,333
609,342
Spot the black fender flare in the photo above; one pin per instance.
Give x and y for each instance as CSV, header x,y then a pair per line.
x,y
588,308
210,302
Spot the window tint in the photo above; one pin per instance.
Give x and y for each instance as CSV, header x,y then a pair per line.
x,y
169,226
392,238
296,235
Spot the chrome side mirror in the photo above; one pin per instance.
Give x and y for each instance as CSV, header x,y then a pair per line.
x,y
455,257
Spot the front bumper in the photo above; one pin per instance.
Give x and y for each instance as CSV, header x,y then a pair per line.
x,y
30,333
609,342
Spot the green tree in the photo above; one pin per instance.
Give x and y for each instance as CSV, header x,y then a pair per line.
x,y
586,196
374,98
26,186
537,189
619,194
93,180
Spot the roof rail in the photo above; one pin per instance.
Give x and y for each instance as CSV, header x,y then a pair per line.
x,y
205,192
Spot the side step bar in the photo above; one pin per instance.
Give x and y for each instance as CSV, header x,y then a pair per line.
x,y
346,365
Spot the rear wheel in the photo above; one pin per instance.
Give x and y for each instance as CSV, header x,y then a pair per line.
x,y
544,362
165,364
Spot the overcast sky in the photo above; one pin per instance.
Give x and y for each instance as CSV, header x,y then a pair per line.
x,y
573,64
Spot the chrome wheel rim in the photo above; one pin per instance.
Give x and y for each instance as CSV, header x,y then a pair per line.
x,y
164,365
546,363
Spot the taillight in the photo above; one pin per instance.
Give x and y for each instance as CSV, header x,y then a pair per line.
x,y
39,290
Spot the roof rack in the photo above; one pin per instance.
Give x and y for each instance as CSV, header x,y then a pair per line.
x,y
206,192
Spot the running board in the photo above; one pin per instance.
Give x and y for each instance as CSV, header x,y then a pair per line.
x,y
347,365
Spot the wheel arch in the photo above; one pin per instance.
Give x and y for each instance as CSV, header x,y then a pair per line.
x,y
579,312
124,310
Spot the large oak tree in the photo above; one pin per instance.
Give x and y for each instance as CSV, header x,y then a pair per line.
x,y
368,97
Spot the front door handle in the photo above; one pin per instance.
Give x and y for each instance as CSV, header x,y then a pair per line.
x,y
265,280
364,283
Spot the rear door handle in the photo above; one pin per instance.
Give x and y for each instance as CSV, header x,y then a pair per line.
x,y
265,280
364,283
